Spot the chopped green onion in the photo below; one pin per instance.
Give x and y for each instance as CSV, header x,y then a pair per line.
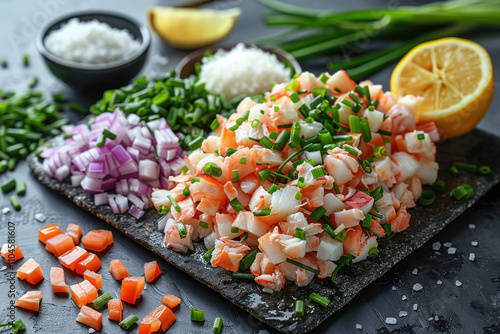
x,y
276,109
318,213
184,170
356,99
273,135
264,174
101,141
108,134
377,193
77,108
243,160
354,123
300,233
163,210
439,185
196,143
176,206
245,236
317,173
373,252
374,214
295,97
303,266
214,125
266,142
211,168
8,186
385,133
319,299
272,98
186,192
469,189
459,192
365,131
323,78
234,127
298,196
243,276
465,167
300,182
282,140
237,206
217,328
273,189
230,151
235,230
294,84
420,136
325,138
341,138
300,308
236,175
388,231
208,255
33,82
248,259
367,222
367,167
379,152
197,315
295,135
102,300
453,170
484,170
366,90
26,60
204,224
195,179
15,202
351,150
182,230
128,322
336,188
427,198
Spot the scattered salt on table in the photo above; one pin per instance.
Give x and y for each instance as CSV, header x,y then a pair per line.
x,y
458,283
394,288
5,211
391,321
358,326
472,226
436,318
439,282
404,297
472,257
417,287
40,217
415,307
452,250
447,244
474,243
403,314
415,271
436,246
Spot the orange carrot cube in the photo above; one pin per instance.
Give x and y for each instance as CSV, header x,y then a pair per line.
x,y
117,270
58,281
71,258
78,295
151,271
90,317
59,244
171,301
30,301
165,315
48,232
97,240
115,310
11,253
31,272
75,232
131,289
91,262
149,324
94,278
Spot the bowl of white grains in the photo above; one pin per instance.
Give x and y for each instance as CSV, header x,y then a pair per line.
x,y
94,50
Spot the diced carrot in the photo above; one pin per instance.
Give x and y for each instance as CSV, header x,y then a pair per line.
x,y
90,317
31,272
171,301
11,253
149,324
131,289
30,301
90,290
117,270
151,271
75,232
78,295
59,244
115,309
48,232
165,315
57,280
71,258
97,240
94,278
91,262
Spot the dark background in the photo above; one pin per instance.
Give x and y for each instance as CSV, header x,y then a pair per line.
x,y
472,308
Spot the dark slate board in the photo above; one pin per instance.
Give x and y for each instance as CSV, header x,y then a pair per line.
x,y
277,309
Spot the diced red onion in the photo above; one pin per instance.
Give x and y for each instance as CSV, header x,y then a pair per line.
x,y
136,212
76,179
121,203
100,199
136,201
61,173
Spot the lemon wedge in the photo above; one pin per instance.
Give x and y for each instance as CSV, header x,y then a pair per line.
x,y
191,28
455,78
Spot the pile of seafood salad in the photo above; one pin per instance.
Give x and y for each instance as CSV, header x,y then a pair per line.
x,y
302,181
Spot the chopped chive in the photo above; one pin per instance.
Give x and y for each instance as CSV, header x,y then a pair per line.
x,y
439,185
272,98
388,231
303,266
300,308
356,99
317,173
102,300
354,123
243,276
264,174
465,167
385,133
295,135
367,167
204,224
176,206
8,186
294,84
365,131
234,127
208,255
163,210
262,213
285,126
248,259
366,90
295,97
273,135
336,188
195,179
211,168
339,229
15,202
196,143
26,60
319,299
293,155
236,175
182,230
298,196
325,138
367,222
128,322
245,236
230,151
282,140
273,189
360,90
484,170
379,152
21,188
351,150
420,136
33,82
217,328
235,230
300,233
243,160
316,214
453,170
341,138
237,206
427,197
459,192
214,125
186,192
101,141
348,103
266,142
184,170
76,107
197,315
374,214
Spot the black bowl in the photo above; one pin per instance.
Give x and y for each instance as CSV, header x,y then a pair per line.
x,y
97,76
186,66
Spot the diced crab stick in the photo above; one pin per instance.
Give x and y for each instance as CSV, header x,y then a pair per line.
x,y
90,317
71,258
90,291
165,315
151,271
78,295
360,201
11,253
97,240
58,281
91,262
94,278
117,270
30,301
30,271
115,310
131,289
75,232
149,324
59,244
171,301
48,232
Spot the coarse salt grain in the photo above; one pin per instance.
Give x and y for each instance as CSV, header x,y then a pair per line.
x,y
415,307
415,271
394,288
417,287
474,243
5,211
391,321
472,226
447,244
436,318
358,326
242,71
90,42
436,246
439,282
40,217
472,257
452,250
458,283
404,297
403,314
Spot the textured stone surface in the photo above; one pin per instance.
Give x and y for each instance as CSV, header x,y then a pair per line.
x,y
277,309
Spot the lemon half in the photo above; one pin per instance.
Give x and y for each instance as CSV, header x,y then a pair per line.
x,y
455,78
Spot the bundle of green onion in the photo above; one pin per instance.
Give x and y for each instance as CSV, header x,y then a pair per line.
x,y
185,103
26,120
312,32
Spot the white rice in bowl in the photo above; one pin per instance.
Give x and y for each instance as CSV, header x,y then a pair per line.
x,y
242,71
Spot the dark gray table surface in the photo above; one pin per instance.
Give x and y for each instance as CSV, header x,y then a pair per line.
x,y
472,308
